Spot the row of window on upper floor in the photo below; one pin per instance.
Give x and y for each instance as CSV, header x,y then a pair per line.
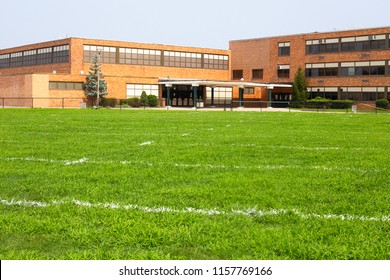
x,y
49,55
345,44
338,69
149,57
60,54
344,69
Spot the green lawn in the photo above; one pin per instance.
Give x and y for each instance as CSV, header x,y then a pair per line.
x,y
110,184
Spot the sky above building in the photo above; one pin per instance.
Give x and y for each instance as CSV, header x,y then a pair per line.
x,y
200,23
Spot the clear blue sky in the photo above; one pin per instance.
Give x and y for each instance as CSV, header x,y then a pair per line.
x,y
201,23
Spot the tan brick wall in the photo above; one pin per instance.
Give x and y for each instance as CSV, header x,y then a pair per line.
x,y
40,90
116,75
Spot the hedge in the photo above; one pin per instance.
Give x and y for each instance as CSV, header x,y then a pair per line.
x,y
341,104
108,102
382,103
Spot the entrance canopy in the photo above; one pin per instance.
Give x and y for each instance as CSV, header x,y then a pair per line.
x,y
192,88
209,83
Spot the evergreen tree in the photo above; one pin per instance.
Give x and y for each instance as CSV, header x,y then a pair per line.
x,y
91,85
300,93
144,101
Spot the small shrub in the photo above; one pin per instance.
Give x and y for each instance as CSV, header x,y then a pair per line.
x,y
108,102
382,103
123,102
296,104
143,101
133,102
152,100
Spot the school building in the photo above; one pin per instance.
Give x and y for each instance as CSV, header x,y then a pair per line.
x,y
351,64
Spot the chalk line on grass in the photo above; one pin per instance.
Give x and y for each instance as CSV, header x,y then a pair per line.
x,y
146,143
82,160
197,165
65,162
253,212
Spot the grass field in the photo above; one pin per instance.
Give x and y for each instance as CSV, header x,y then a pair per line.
x,y
109,184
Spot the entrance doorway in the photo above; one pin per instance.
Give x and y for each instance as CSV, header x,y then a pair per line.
x,y
183,95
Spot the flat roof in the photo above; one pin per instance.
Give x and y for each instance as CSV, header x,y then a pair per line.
x,y
312,33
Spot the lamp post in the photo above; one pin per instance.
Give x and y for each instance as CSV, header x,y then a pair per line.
x,y
98,78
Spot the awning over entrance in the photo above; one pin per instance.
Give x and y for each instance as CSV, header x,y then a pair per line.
x,y
210,83
198,85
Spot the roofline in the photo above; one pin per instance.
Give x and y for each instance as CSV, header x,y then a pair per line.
x,y
39,43
151,44
310,33
112,42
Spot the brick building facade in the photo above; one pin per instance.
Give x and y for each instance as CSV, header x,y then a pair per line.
x,y
35,75
350,64
353,64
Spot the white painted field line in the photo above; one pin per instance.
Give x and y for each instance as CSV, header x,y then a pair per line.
x,y
146,143
208,212
66,162
197,165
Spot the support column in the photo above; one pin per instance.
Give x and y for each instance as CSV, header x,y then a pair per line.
x,y
195,88
241,95
212,96
270,88
168,101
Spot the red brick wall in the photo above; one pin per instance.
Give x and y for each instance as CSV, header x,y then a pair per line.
x,y
262,53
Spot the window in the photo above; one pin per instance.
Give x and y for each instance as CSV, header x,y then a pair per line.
x,y
4,60
65,86
184,60
348,71
44,56
222,95
326,92
283,71
150,57
57,54
135,90
29,58
361,46
362,94
284,49
257,74
322,46
238,74
107,54
16,59
363,43
322,70
61,54
365,68
378,42
213,61
249,90
139,57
